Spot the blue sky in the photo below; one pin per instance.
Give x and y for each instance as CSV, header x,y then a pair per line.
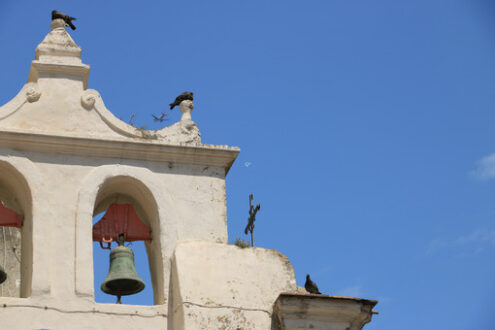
x,y
365,127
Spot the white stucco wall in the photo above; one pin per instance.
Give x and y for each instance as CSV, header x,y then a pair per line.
x,y
43,313
190,200
64,157
218,286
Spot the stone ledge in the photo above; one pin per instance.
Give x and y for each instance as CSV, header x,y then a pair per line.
x,y
313,311
77,70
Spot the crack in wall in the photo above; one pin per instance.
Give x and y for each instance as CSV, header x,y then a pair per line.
x,y
93,311
229,307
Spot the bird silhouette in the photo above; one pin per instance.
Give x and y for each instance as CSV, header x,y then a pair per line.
x,y
311,286
160,118
67,19
182,97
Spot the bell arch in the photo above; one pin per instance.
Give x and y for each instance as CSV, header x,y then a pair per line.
x,y
16,195
107,185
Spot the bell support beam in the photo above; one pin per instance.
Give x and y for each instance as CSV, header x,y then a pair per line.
x,y
9,218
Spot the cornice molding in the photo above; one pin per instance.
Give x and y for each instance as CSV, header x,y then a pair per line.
x,y
145,150
72,69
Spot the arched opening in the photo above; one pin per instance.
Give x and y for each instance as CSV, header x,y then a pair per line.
x,y
16,243
128,190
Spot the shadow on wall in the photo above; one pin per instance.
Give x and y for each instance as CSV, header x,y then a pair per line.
x,y
16,252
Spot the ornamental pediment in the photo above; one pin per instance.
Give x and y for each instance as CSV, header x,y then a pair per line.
x,y
55,100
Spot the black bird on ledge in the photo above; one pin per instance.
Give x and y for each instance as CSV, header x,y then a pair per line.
x,y
311,286
67,19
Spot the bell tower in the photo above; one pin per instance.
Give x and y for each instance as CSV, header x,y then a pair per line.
x,y
64,158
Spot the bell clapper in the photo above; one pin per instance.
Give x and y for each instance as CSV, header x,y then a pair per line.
x,y
121,239
118,300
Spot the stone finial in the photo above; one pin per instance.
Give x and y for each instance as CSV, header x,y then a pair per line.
x,y
58,46
58,55
58,23
186,107
185,131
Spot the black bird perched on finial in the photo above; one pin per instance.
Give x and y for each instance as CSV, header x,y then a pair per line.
x,y
67,19
182,97
311,286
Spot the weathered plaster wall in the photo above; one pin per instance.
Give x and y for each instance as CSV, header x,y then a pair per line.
x,y
10,259
218,286
190,200
45,313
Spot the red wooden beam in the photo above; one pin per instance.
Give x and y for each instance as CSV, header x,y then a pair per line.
x,y
120,219
9,218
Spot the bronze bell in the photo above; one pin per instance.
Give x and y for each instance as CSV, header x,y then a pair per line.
x,y
3,275
122,278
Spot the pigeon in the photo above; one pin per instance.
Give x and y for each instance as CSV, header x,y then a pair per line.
x,y
161,118
182,97
67,19
311,286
